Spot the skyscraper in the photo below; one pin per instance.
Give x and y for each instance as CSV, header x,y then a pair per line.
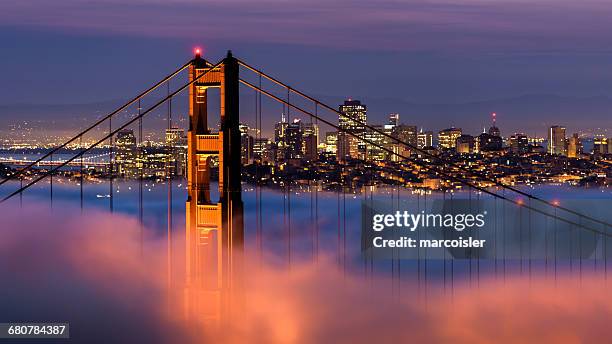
x,y
262,150
311,141
494,130
488,143
556,140
294,140
601,145
424,139
280,143
353,120
519,143
465,144
176,146
331,142
176,137
373,150
126,153
447,138
394,119
246,141
408,134
574,146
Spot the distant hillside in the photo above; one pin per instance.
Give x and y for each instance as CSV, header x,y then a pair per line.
x,y
529,113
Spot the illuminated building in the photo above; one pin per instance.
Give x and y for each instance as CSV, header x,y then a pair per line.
x,y
279,138
407,134
311,141
353,120
574,146
176,144
263,150
556,140
488,143
447,138
331,142
294,141
373,152
424,139
519,143
246,144
494,130
393,119
601,145
126,153
176,137
465,144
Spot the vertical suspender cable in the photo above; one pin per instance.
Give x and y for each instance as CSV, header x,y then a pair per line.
x,y
81,174
110,164
51,183
170,156
141,177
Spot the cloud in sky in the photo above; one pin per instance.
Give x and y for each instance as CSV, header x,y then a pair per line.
x,y
411,25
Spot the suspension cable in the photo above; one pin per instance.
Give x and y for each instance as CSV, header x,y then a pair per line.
x,y
482,189
424,152
36,180
119,109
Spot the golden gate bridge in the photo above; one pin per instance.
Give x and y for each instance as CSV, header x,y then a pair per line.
x,y
215,228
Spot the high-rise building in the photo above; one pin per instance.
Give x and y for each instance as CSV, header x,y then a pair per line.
x,y
494,130
519,143
176,145
176,137
556,140
601,145
331,142
353,119
424,139
280,141
263,150
246,142
355,116
394,119
465,144
574,146
126,153
377,139
294,140
407,134
311,141
347,146
488,143
447,138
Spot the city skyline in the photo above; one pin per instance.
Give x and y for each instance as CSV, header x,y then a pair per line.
x,y
284,171
480,61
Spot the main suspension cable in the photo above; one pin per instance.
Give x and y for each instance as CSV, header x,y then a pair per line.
x,y
36,180
110,115
424,152
482,189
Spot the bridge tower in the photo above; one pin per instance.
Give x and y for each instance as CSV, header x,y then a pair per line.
x,y
214,229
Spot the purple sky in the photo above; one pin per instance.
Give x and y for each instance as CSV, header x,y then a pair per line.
x,y
440,52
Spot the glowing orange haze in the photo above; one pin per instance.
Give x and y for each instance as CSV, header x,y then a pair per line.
x,y
311,304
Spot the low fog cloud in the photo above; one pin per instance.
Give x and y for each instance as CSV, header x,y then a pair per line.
x,y
89,270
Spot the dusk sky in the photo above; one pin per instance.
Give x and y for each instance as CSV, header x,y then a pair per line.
x,y
416,51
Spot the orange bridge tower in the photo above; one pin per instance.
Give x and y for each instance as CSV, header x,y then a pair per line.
x,y
214,229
